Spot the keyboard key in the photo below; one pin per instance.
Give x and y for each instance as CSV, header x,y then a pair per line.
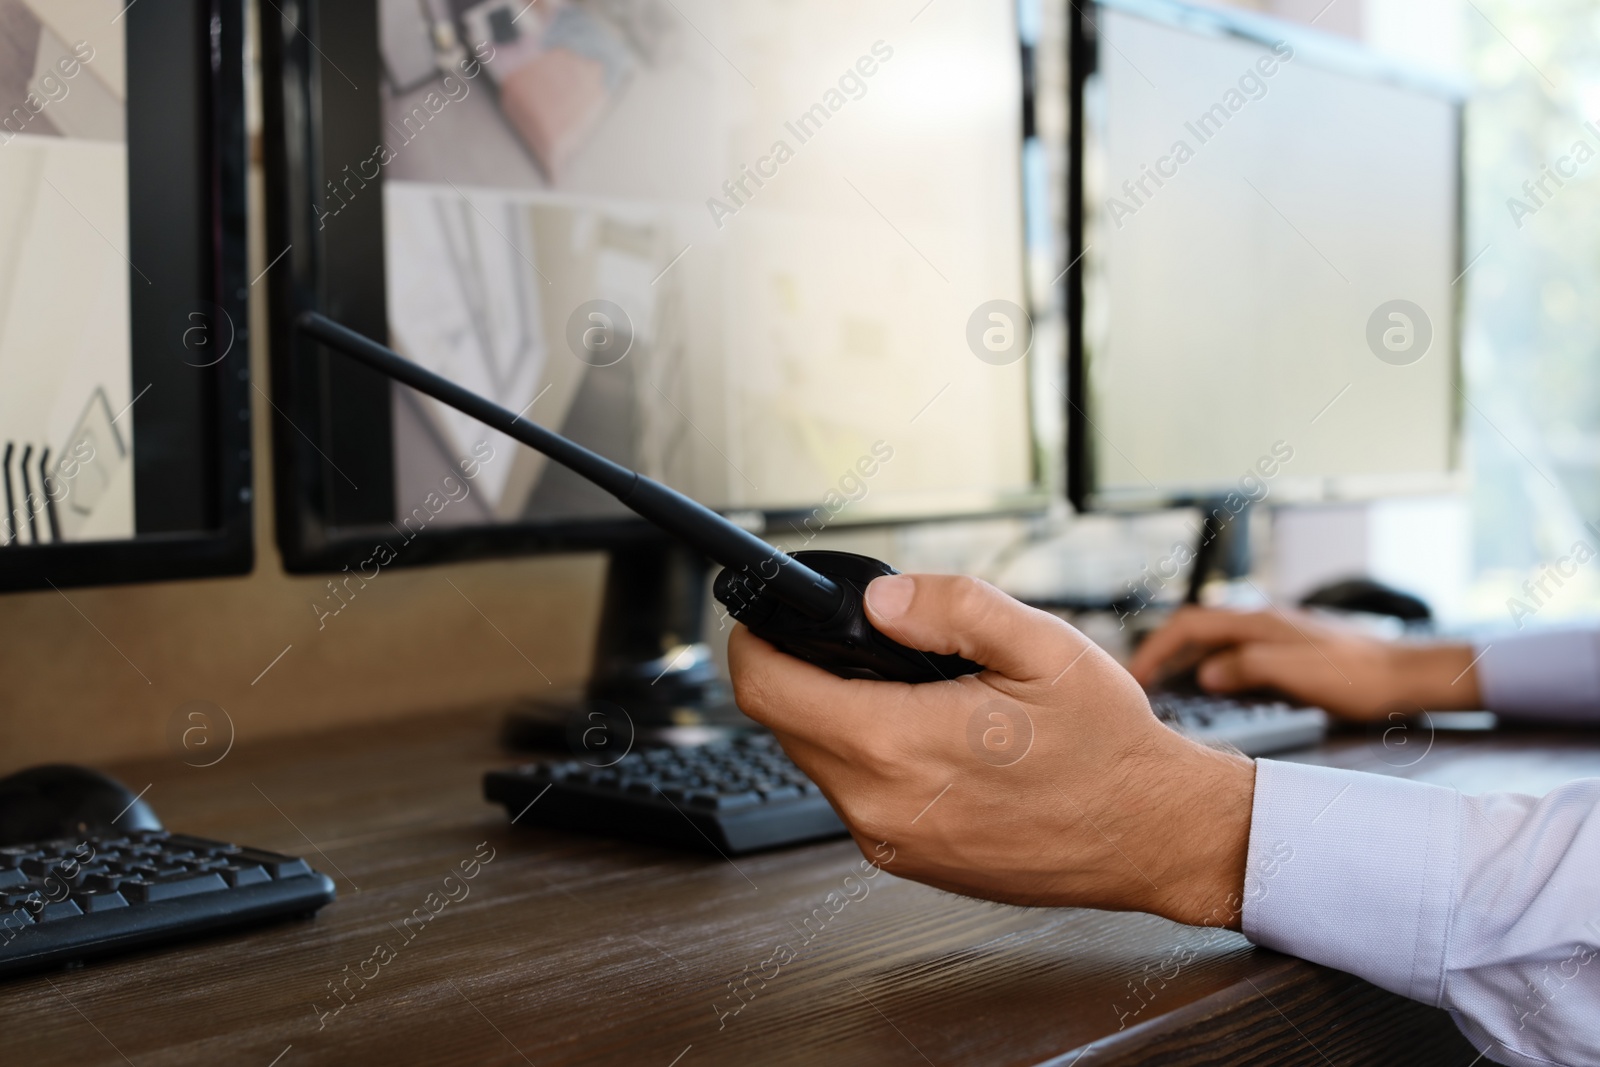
x,y
145,892
200,845
97,902
289,868
100,883
724,801
248,874
12,876
56,910
278,866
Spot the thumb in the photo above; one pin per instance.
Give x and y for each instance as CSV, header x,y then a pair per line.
x,y
950,613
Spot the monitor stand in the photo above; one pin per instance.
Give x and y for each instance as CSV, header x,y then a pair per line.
x,y
1222,549
654,679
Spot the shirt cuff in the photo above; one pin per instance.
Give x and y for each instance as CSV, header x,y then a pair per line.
x,y
1356,871
1550,674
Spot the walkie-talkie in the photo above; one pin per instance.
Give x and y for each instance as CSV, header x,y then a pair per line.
x,y
811,605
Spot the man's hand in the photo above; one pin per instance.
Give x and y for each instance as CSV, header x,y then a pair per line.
x,y
1045,780
1351,674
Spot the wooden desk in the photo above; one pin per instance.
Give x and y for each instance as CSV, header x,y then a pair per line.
x,y
576,950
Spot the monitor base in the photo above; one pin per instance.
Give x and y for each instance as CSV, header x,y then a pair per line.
x,y
655,682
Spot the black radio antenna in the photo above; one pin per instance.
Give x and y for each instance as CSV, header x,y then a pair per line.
x,y
693,523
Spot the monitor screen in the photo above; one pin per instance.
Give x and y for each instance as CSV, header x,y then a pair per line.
x,y
66,412
736,246
114,333
1270,246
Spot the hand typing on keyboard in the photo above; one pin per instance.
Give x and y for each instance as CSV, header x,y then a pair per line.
x,y
1044,780
1350,673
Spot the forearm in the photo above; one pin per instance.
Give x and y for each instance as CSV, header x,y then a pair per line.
x,y
1438,676
1482,905
1549,675
1356,872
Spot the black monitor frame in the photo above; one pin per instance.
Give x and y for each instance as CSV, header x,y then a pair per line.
x,y
1311,46
321,69
187,227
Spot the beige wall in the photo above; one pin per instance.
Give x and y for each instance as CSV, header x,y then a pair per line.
x,y
95,674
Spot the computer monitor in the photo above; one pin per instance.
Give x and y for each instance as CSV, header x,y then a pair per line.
x,y
124,386
771,254
1266,222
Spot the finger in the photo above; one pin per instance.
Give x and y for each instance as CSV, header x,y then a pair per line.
x,y
1193,632
1296,670
953,614
827,769
1187,635
790,696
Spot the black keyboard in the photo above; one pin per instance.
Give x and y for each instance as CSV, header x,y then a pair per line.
x,y
745,795
1254,727
731,796
67,900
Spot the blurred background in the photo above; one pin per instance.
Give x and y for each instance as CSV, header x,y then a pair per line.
x,y
468,633
1530,329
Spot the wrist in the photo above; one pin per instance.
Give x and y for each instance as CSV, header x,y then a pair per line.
x,y
1435,677
1205,846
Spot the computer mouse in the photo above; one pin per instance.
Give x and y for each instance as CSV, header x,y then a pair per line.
x,y
60,800
1366,595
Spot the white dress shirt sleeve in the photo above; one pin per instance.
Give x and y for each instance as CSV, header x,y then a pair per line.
x,y
1487,906
1548,674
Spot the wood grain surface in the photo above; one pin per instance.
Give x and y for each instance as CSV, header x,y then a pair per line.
x,y
572,950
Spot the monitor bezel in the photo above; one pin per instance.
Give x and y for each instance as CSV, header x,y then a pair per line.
x,y
301,42
214,45
1313,47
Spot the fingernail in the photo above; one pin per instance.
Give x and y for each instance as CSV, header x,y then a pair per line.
x,y
890,596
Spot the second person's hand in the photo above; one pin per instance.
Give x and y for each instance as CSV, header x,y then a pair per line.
x,y
1350,673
